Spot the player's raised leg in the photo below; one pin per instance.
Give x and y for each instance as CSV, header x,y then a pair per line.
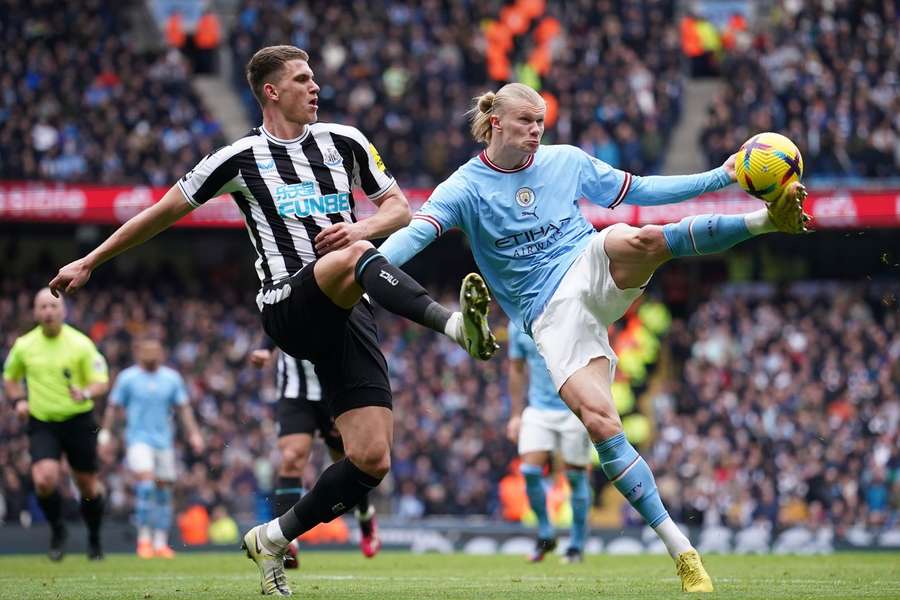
x,y
588,394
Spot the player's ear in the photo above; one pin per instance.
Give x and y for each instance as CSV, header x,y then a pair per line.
x,y
495,122
270,92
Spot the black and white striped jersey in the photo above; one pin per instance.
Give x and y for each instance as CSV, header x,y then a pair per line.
x,y
289,190
296,378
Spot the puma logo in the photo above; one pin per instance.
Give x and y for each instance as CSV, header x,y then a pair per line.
x,y
532,213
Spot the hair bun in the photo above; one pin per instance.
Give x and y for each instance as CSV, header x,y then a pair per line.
x,y
486,102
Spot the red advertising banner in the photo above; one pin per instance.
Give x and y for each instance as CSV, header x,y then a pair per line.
x,y
110,205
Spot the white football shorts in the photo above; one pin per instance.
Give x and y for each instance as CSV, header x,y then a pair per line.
x,y
555,431
143,458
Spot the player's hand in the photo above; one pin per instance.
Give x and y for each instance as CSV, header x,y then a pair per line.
x,y
71,277
259,358
728,165
340,235
77,395
196,442
512,429
22,409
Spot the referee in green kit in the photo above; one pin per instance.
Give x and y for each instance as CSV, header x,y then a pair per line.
x,y
64,372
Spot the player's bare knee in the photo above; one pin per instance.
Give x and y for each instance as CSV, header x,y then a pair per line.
x,y
601,423
373,459
650,242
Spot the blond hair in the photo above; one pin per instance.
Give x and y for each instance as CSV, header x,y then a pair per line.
x,y
491,103
267,64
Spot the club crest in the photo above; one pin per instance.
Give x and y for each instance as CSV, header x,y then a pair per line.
x,y
331,156
525,197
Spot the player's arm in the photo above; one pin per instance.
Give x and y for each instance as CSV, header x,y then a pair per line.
x,y
667,189
13,372
137,230
392,214
189,424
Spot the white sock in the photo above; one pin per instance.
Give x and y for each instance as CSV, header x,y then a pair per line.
x,y
272,536
144,533
453,328
160,538
362,518
758,222
676,542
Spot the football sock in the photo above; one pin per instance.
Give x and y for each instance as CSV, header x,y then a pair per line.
x,y
92,513
706,234
392,288
52,507
144,502
163,521
537,498
340,487
287,493
626,470
581,500
676,542
160,538
364,514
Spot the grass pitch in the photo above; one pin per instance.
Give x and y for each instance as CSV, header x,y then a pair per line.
x,y
396,575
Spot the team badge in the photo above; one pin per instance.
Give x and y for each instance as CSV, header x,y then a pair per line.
x,y
378,162
331,156
525,197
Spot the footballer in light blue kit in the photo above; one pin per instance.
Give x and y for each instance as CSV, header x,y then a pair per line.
x,y
545,426
149,392
564,282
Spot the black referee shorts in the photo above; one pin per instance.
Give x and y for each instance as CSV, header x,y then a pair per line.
x,y
76,437
342,344
299,415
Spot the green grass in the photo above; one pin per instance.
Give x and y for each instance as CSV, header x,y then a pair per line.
x,y
395,575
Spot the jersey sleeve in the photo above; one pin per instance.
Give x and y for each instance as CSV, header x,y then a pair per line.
x,y
599,182
516,347
214,175
119,393
14,365
369,171
93,365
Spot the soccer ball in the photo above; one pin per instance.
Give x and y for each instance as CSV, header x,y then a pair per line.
x,y
766,163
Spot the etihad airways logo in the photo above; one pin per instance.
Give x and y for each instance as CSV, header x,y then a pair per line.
x,y
534,240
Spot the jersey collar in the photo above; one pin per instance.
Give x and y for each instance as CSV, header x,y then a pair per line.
x,y
484,158
277,140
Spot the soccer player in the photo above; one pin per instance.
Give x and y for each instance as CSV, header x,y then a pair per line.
x,y
293,179
564,282
148,392
64,372
301,413
545,426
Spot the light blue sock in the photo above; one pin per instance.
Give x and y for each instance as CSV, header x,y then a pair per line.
x,y
164,510
705,234
144,503
534,486
581,501
625,468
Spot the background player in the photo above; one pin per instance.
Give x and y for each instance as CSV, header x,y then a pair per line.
x,y
148,392
293,179
64,372
517,202
545,426
301,412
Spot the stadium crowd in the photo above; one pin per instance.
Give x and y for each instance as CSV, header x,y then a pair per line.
x,y
780,409
825,74
80,103
406,74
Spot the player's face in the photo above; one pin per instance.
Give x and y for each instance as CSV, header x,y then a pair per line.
x,y
298,93
49,311
150,354
522,126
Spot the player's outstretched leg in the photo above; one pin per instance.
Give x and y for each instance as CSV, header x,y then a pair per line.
x,y
581,500
392,288
369,542
537,499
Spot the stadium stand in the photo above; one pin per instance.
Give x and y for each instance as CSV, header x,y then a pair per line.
x,y
81,103
825,74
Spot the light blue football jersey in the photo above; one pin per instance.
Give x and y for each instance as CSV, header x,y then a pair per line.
x,y
524,225
149,399
541,391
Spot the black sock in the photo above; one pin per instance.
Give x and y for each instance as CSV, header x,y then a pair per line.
x,y
287,492
365,524
338,489
399,293
52,507
92,513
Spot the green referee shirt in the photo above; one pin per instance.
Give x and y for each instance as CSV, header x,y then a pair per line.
x,y
50,366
